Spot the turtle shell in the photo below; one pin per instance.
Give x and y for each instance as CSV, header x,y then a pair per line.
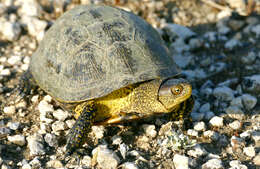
x,y
93,50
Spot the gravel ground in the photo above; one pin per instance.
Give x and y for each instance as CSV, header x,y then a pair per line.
x,y
218,51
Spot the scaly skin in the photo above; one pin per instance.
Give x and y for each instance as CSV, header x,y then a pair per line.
x,y
133,102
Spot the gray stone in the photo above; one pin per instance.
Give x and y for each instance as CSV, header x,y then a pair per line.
x,y
211,134
197,116
13,125
249,59
224,30
249,151
129,165
5,130
181,161
235,112
176,30
211,36
179,46
105,157
205,108
209,115
256,30
249,101
223,93
216,121
17,139
182,60
236,24
213,164
195,43
231,44
149,130
51,139
60,114
252,84
235,164
237,102
35,145
235,125
200,126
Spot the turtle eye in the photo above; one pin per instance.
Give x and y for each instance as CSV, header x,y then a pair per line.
x,y
176,90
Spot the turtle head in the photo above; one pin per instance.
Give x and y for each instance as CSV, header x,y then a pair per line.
x,y
174,92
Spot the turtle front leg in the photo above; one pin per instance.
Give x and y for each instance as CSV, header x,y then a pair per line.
x,y
81,128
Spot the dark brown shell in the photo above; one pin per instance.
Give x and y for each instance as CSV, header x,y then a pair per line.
x,y
92,50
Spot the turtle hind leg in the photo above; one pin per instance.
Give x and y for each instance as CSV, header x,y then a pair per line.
x,y
78,133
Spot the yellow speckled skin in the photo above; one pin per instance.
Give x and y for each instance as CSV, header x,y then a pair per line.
x,y
133,102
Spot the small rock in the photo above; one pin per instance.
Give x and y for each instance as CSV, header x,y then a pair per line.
x,y
235,164
256,136
195,43
211,134
178,30
11,30
209,115
60,114
70,123
98,131
223,30
182,60
129,165
216,121
58,126
123,148
5,130
256,160
35,26
86,161
9,110
17,139
35,163
235,125
116,140
35,145
236,24
235,112
231,44
181,161
237,102
45,108
197,116
5,72
223,93
4,166
179,46
13,125
54,164
237,142
51,139
249,101
29,8
192,132
249,151
197,151
213,164
205,108
105,157
252,84
149,130
249,59
256,30
14,60
200,126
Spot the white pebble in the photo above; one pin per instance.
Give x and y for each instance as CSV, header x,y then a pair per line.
x,y
235,125
192,132
10,30
149,130
17,139
60,114
14,60
216,121
200,126
213,163
5,72
9,110
58,126
181,161
249,151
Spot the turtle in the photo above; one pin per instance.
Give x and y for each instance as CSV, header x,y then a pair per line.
x,y
107,66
